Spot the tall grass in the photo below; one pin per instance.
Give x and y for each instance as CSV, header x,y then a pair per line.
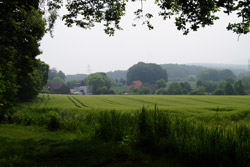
x,y
155,132
195,142
14,153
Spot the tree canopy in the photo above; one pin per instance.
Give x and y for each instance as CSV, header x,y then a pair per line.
x,y
99,83
72,83
216,75
175,89
22,27
228,89
161,84
189,15
239,88
146,73
53,73
34,82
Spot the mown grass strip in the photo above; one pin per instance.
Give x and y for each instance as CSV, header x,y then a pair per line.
x,y
79,101
130,102
74,102
140,100
109,101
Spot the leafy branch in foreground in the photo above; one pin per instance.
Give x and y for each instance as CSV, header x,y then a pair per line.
x,y
189,15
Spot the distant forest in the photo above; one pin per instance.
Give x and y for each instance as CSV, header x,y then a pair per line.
x,y
176,72
77,77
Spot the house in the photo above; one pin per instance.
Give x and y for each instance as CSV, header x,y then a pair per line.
x,y
135,84
138,84
57,88
81,88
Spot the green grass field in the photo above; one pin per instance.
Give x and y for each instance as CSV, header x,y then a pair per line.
x,y
132,102
205,108
116,130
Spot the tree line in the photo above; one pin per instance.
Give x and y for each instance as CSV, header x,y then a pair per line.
x,y
213,82
155,81
176,72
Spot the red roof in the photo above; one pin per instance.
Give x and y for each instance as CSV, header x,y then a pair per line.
x,y
135,84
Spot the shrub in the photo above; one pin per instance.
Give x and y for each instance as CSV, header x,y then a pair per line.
x,y
218,91
161,84
175,89
228,89
198,91
53,123
144,90
162,91
239,88
45,90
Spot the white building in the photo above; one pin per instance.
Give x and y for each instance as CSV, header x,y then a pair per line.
x,y
81,88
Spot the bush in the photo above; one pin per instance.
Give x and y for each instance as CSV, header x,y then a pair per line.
x,y
144,90
134,90
113,125
228,89
45,90
161,84
198,91
162,91
239,88
175,89
186,88
218,91
53,123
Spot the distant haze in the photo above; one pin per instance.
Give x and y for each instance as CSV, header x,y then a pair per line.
x,y
74,50
176,71
222,66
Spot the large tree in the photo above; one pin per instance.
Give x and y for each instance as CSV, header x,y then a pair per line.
x,y
72,83
239,88
161,83
33,83
99,83
22,27
53,73
175,89
228,89
146,73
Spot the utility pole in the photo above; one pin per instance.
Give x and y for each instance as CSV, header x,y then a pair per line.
x,y
89,70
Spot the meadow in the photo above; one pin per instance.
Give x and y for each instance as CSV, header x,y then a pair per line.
x,y
128,130
229,109
134,102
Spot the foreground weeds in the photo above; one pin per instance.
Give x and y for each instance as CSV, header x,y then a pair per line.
x,y
157,134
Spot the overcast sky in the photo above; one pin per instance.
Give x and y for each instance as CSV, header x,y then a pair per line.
x,y
72,50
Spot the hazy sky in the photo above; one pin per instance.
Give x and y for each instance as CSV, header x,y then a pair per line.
x,y
73,49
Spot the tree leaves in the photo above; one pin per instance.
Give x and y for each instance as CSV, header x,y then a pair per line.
x,y
100,83
22,27
189,15
146,73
